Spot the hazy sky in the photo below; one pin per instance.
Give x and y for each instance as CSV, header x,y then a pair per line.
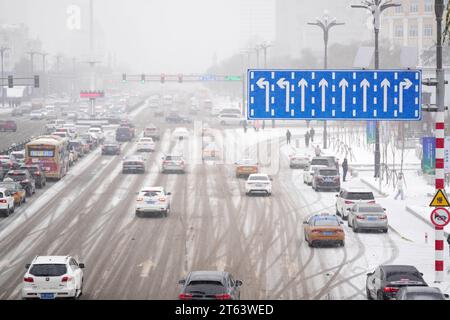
x,y
155,35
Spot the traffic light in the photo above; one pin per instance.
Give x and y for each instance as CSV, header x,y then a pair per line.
x,y
142,78
124,77
180,78
10,82
163,77
36,81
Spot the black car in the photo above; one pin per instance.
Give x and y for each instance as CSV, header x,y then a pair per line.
x,y
420,293
111,148
210,285
124,134
133,164
326,178
387,280
176,118
323,161
9,164
37,173
25,178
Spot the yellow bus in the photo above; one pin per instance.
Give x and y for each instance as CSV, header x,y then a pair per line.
x,y
51,153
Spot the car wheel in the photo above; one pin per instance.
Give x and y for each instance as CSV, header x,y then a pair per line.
x,y
269,194
13,209
24,200
138,214
342,243
380,295
355,228
7,212
165,213
29,192
369,297
311,244
385,230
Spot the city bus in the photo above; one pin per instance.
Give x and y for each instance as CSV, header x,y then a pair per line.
x,y
51,153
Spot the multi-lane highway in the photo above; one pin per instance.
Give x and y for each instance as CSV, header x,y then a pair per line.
x,y
212,225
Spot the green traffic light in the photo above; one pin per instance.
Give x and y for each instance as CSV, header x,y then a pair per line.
x,y
233,78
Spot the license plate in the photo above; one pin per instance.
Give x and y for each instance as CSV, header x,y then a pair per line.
x,y
150,201
47,296
372,218
327,233
328,180
259,185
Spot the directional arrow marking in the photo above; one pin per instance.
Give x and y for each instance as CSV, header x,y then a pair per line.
x,y
344,85
261,83
385,84
284,84
303,84
146,267
403,86
365,84
323,84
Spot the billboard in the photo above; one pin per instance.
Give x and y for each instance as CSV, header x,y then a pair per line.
x,y
428,155
370,132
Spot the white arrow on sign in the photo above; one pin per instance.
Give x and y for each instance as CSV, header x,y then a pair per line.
x,y
284,84
385,84
403,86
261,83
344,85
323,83
365,84
146,266
303,84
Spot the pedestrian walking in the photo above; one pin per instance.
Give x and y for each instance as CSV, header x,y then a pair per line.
x,y
288,137
244,124
307,137
263,124
400,187
344,168
317,151
311,133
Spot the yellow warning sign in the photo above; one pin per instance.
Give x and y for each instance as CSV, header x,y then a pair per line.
x,y
440,199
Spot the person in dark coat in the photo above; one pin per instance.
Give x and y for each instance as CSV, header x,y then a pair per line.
x,y
288,137
311,133
344,169
307,139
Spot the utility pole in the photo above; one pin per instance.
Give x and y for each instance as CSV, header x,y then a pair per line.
x,y
32,53
264,46
243,53
325,24
45,83
2,52
440,139
376,7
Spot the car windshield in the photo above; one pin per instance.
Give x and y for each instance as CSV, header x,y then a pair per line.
x,y
403,276
424,296
320,162
374,209
1,195
328,172
174,158
258,178
48,270
360,196
326,221
17,176
9,185
205,282
153,193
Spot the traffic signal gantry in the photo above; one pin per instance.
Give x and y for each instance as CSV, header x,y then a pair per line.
x,y
11,83
180,78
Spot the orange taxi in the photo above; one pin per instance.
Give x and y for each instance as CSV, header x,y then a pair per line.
x,y
17,191
246,167
324,229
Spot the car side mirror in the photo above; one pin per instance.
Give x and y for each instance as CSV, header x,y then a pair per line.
x,y
446,296
305,222
238,283
348,209
81,265
384,209
169,193
369,274
182,282
27,266
421,273
337,196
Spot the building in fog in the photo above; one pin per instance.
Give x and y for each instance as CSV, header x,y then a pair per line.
x,y
257,21
292,33
16,38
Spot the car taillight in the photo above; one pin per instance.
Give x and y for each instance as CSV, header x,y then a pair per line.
x,y
139,199
225,296
390,289
2,200
28,279
339,230
162,199
361,217
348,202
373,201
66,278
383,217
185,296
38,173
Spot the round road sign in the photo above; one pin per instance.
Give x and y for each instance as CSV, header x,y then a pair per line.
x,y
440,217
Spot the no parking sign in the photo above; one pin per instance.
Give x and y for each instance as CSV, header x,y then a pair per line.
x,y
440,217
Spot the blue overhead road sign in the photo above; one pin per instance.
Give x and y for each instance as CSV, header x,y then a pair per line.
x,y
335,94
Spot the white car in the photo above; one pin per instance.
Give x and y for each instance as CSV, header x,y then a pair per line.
x,y
61,134
36,115
146,144
52,277
180,133
153,200
298,161
258,182
231,119
6,202
348,197
308,174
171,163
98,132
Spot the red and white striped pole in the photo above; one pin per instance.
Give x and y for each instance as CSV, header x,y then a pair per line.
x,y
439,238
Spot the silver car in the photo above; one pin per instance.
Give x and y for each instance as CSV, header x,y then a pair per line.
x,y
367,216
171,163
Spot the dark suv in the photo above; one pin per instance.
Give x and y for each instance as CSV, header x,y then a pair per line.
x,y
124,134
323,161
210,285
25,178
326,178
37,173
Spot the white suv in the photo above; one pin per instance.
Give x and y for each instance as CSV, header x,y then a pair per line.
x,y
51,277
347,198
153,200
6,202
146,144
258,182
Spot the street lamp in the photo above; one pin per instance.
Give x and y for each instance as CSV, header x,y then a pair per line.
x,y
2,52
325,23
44,93
376,7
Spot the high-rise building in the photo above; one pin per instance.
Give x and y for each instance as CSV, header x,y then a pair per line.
x,y
257,21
